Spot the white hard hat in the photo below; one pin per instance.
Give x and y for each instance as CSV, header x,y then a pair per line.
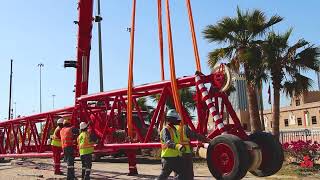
x,y
173,114
60,121
83,125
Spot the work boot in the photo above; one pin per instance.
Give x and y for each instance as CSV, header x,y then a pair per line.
x,y
83,173
133,172
58,173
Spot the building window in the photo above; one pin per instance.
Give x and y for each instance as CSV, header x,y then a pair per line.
x,y
299,121
271,124
297,102
314,119
286,122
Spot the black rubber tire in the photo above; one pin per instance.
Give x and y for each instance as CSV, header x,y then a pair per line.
x,y
240,153
272,154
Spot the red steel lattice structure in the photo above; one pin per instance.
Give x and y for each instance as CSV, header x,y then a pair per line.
x,y
108,110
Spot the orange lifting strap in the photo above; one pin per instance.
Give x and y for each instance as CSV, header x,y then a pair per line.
x,y
130,78
193,34
160,39
174,85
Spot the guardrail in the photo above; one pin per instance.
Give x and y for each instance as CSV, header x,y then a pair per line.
x,y
304,135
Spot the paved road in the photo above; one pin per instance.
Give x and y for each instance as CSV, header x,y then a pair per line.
x,y
107,170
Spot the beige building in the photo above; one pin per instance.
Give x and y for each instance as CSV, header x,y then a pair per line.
x,y
303,113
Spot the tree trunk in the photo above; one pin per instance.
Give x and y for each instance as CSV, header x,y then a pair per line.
x,y
261,109
276,111
253,108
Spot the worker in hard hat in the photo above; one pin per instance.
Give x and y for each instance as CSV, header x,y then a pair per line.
x,y
56,146
86,143
187,155
171,148
67,134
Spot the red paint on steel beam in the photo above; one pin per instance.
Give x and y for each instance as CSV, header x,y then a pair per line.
x,y
155,114
142,145
144,87
85,8
26,155
36,116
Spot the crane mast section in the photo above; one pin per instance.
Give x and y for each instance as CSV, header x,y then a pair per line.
x,y
85,8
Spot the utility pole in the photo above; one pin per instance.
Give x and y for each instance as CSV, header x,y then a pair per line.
x,y
53,95
15,109
40,65
98,19
10,92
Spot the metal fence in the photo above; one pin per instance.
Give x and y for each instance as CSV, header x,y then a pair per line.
x,y
304,135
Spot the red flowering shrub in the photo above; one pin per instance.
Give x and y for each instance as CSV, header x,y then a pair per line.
x,y
307,163
302,149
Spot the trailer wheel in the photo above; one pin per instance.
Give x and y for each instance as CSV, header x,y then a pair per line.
x,y
228,157
272,154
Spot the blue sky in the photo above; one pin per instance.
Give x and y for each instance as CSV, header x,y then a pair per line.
x,y
43,31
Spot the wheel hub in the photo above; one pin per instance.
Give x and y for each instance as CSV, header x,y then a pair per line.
x,y
223,158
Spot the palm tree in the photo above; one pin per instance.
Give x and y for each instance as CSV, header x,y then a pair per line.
x,y
186,97
243,51
144,106
285,63
142,103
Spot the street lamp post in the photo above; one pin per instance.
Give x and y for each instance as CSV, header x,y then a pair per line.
x,y
53,96
40,65
98,19
15,109
10,91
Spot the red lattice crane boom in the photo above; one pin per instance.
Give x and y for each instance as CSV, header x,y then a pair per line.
x,y
231,152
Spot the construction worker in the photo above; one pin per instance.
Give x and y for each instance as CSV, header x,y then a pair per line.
x,y
188,154
56,146
67,134
132,161
171,148
86,143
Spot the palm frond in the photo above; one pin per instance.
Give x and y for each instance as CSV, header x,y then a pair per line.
x,y
218,54
293,49
155,98
308,58
142,103
298,85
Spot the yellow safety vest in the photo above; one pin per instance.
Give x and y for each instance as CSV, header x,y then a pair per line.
x,y
166,151
56,141
85,146
185,140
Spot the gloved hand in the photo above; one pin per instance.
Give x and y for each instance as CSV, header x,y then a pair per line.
x,y
49,141
180,147
89,123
